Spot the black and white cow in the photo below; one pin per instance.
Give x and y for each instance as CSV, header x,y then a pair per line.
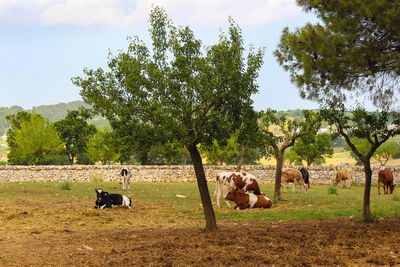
x,y
106,200
126,178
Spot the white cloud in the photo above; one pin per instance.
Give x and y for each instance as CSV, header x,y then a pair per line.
x,y
120,13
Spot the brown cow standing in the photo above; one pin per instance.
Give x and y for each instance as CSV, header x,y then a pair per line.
x,y
386,178
344,175
293,176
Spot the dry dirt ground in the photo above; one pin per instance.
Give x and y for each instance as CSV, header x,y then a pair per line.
x,y
305,243
34,234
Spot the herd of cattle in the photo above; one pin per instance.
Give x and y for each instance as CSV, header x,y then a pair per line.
x,y
243,189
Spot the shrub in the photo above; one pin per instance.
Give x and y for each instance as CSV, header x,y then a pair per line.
x,y
66,185
332,190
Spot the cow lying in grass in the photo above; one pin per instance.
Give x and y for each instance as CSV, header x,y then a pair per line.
x,y
246,200
293,176
106,200
344,175
385,177
235,180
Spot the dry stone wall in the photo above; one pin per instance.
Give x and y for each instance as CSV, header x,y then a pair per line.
x,y
264,173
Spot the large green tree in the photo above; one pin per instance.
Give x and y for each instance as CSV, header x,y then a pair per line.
x,y
355,51
180,92
288,130
75,132
34,140
313,148
386,152
372,126
100,147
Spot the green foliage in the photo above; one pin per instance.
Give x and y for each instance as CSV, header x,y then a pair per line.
x,y
75,133
290,131
290,157
189,97
219,153
32,140
313,147
354,49
178,92
386,152
52,112
4,112
67,185
100,147
332,190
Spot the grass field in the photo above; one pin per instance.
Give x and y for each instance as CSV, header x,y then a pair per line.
x,y
44,224
170,210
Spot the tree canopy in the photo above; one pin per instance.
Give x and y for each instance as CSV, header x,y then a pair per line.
x,y
356,49
178,92
32,140
75,132
290,131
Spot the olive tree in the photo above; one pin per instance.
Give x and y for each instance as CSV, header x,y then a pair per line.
x,y
288,130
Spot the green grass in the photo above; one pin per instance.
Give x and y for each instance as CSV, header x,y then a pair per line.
x,y
317,204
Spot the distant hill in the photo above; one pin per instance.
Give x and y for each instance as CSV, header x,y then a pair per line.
x,y
52,112
59,111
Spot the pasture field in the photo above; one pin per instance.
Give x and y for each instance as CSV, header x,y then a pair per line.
x,y
44,224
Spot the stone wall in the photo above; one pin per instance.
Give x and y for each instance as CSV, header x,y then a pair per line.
x,y
264,173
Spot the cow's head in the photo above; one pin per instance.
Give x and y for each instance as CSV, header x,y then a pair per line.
x,y
234,193
100,196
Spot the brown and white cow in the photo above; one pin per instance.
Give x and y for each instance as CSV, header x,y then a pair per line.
x,y
385,177
344,175
235,180
293,176
245,200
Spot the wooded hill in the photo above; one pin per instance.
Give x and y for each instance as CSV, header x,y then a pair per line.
x,y
52,112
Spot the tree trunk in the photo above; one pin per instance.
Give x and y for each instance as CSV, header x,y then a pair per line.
x,y
367,190
243,155
278,175
211,223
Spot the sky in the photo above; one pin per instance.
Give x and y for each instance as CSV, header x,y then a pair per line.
x,y
44,43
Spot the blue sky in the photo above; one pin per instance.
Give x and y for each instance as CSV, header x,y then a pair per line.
x,y
44,43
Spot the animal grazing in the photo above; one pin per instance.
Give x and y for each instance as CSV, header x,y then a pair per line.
x,y
106,200
126,178
306,176
385,177
293,176
344,175
235,180
246,200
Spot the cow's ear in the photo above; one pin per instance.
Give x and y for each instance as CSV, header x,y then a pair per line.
x,y
95,190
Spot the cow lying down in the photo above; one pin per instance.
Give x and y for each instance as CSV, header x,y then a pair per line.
x,y
246,200
106,200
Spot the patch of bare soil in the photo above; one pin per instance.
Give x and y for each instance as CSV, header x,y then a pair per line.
x,y
258,243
